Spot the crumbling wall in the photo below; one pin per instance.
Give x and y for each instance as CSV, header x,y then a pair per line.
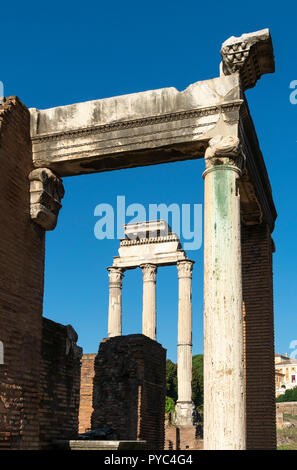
x,y
60,383
130,388
21,284
257,248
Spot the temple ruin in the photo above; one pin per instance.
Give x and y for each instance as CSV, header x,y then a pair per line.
x,y
209,119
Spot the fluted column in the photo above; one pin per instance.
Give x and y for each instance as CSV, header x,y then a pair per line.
x,y
224,406
149,326
184,406
115,301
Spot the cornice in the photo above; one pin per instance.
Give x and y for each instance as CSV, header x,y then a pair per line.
x,y
141,122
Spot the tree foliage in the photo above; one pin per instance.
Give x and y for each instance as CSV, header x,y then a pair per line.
x,y
289,395
169,406
197,380
171,380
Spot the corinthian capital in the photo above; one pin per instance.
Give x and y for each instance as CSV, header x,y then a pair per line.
x,y
224,151
185,268
115,276
149,272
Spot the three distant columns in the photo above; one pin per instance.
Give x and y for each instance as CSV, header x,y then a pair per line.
x,y
184,406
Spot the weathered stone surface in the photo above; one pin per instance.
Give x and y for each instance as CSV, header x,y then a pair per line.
x,y
46,193
184,405
251,55
224,401
115,275
224,150
80,138
149,313
99,445
149,243
146,230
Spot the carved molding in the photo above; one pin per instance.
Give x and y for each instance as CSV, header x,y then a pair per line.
x,y
149,272
143,241
250,54
142,122
185,269
46,193
224,151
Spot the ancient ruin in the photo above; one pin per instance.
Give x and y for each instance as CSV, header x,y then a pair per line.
x,y
209,119
149,245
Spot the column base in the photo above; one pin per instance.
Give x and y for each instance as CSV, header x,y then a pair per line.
x,y
184,413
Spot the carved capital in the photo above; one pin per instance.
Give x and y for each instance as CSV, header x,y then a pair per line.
x,y
115,276
251,55
185,269
46,193
149,272
224,151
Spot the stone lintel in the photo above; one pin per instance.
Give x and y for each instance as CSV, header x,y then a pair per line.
x,y
144,128
164,259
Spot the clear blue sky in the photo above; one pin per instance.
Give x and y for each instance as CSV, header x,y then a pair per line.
x,y
57,53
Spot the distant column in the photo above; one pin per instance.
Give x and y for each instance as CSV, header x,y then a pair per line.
x,y
149,321
184,406
115,301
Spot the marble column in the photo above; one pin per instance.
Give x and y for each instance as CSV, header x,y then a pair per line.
x,y
115,301
224,404
149,325
184,405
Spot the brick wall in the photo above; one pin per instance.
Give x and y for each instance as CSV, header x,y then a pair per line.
x,y
21,284
182,438
60,383
259,336
86,392
130,387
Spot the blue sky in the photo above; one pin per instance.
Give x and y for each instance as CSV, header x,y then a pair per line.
x,y
58,53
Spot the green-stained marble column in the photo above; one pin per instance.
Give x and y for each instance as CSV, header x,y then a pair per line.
x,y
224,406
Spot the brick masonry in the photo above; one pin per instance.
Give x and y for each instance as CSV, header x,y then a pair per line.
x,y
86,392
60,383
130,388
257,248
21,284
182,438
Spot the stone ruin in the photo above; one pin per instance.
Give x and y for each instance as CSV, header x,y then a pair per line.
x,y
210,120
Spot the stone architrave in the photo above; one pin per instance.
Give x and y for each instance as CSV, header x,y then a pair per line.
x,y
115,301
224,404
149,315
184,406
46,193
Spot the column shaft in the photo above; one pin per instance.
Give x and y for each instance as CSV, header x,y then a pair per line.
x,y
115,301
184,406
149,320
224,407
